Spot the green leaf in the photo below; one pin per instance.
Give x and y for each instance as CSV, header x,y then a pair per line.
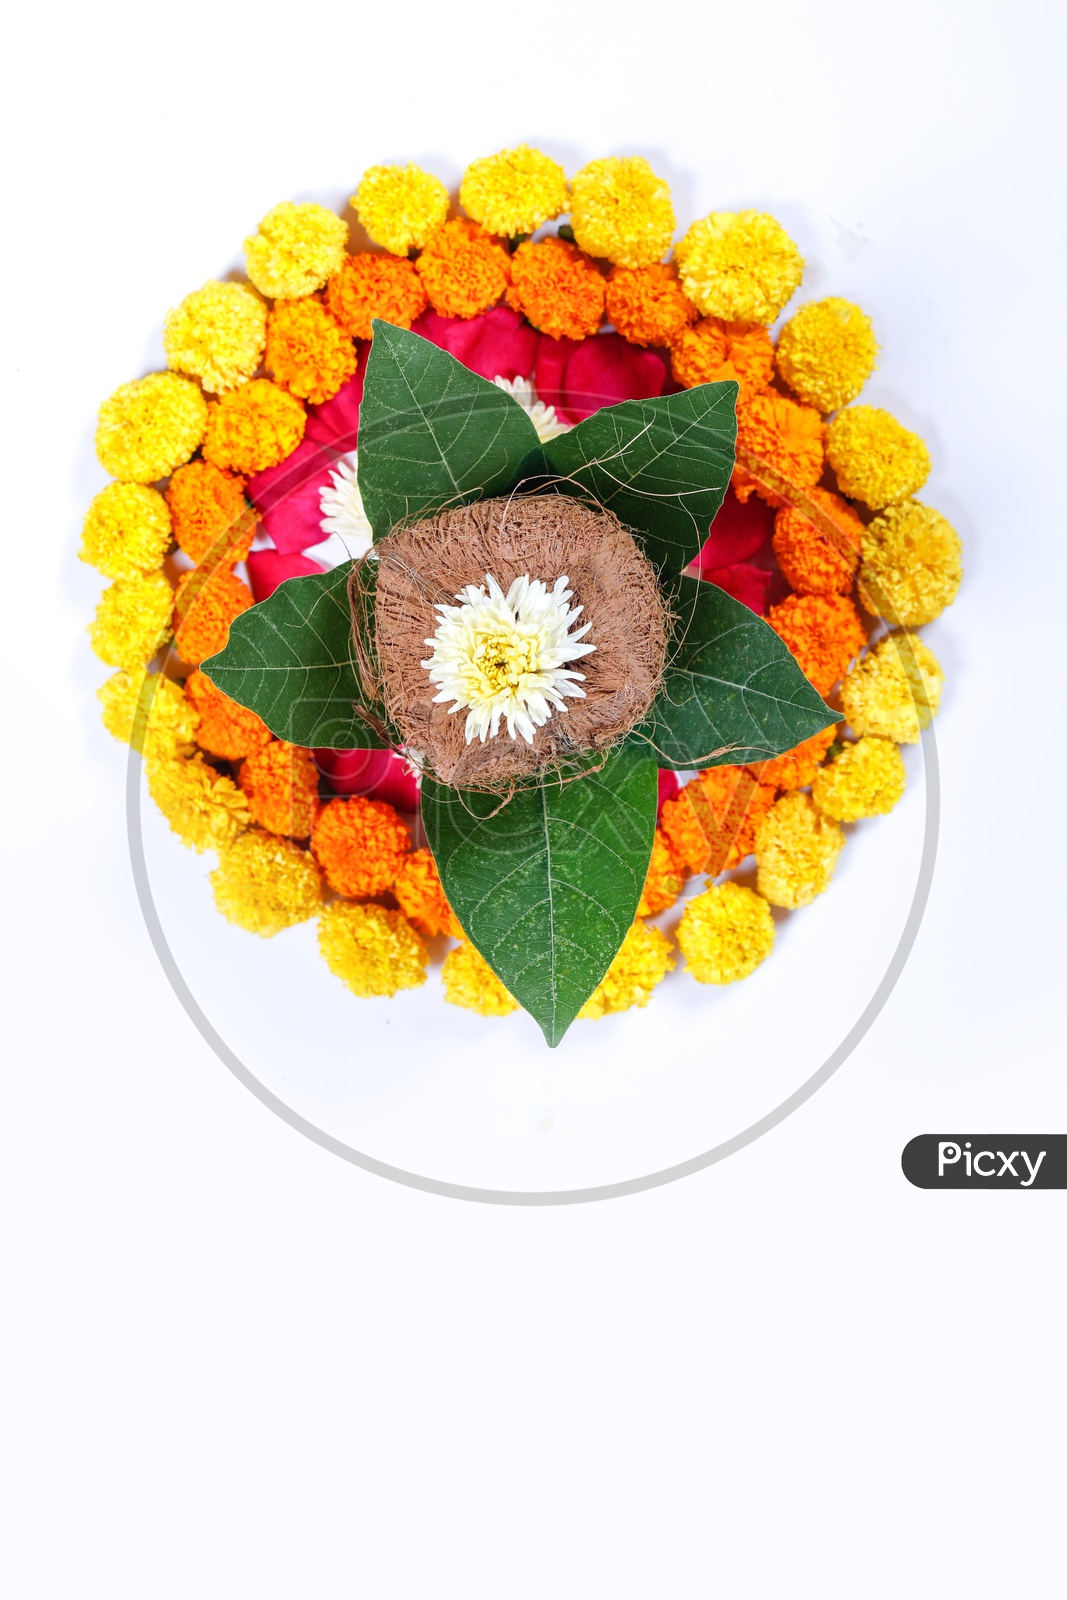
x,y
432,434
291,661
547,885
732,693
661,465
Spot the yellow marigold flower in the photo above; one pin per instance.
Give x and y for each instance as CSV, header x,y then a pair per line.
x,y
725,933
205,603
150,713
360,844
308,351
150,426
826,352
369,286
664,879
400,207
715,351
226,728
204,807
795,769
739,265
895,690
557,288
281,784
126,530
295,249
644,959
711,824
796,851
875,458
621,210
646,304
865,780
253,427
421,898
373,952
208,509
812,562
912,564
785,435
824,632
132,620
264,884
470,982
464,270
217,335
513,191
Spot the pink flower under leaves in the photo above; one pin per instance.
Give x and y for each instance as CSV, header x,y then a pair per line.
x,y
377,774
578,377
335,424
268,568
497,344
744,582
737,532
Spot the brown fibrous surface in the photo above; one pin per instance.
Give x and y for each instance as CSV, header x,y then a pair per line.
x,y
427,563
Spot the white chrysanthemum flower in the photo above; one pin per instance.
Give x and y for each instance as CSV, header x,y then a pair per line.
x,y
503,656
342,508
543,417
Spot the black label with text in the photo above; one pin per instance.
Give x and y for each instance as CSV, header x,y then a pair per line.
x,y
986,1161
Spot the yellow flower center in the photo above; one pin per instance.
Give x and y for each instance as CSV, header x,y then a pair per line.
x,y
500,659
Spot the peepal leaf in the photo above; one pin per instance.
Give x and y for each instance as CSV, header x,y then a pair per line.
x,y
662,465
431,433
732,692
547,885
290,660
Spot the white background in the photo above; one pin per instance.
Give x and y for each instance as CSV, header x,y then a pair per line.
x,y
237,1366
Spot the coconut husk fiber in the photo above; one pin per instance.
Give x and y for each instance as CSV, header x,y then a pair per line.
x,y
426,563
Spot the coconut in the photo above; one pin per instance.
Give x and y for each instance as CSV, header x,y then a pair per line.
x,y
426,563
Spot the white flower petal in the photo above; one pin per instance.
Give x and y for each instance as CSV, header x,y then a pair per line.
x,y
501,656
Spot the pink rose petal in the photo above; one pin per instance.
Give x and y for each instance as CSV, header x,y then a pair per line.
x,y
550,372
745,583
497,344
268,568
668,788
335,424
737,532
377,774
606,370
287,497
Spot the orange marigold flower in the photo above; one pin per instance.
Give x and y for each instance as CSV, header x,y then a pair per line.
x,y
714,350
712,824
811,562
421,898
281,783
796,768
361,846
308,351
206,506
204,607
557,288
647,305
787,436
226,729
253,427
666,876
464,270
823,631
369,286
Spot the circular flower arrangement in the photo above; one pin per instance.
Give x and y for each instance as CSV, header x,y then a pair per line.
x,y
601,530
